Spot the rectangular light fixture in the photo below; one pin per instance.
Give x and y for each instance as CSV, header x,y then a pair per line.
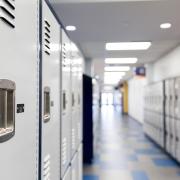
x,y
125,46
116,68
121,60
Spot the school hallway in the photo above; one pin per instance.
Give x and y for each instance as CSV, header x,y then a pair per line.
x,y
123,151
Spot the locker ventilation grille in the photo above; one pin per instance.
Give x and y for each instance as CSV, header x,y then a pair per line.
x,y
64,151
64,54
47,37
73,139
46,168
79,130
7,11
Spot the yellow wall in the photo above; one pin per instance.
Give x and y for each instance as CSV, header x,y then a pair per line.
x,y
125,97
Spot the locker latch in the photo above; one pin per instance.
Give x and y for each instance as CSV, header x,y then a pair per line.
x,y
73,100
47,104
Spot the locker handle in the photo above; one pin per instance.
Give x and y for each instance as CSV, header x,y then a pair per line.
x,y
73,100
47,104
177,139
64,100
176,97
7,109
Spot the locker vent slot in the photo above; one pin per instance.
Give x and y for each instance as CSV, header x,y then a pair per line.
x,y
47,37
64,55
7,109
46,168
73,139
64,151
79,131
7,11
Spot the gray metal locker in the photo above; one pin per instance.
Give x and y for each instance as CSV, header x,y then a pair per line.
x,y
18,89
50,95
66,104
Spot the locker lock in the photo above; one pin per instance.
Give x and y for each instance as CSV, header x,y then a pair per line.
x,y
7,109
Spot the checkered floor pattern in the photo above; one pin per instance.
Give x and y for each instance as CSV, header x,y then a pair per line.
x,y
123,152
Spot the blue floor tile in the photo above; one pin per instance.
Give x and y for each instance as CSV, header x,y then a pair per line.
x,y
139,175
151,151
132,158
121,145
113,165
90,177
161,162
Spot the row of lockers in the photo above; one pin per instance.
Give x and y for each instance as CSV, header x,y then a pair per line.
x,y
161,115
172,117
40,95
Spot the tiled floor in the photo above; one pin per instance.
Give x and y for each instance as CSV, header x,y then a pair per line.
x,y
123,152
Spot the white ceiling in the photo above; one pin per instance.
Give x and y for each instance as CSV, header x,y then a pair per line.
x,y
101,21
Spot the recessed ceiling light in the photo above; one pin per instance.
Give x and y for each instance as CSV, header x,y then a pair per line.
x,y
116,68
165,25
70,28
128,46
121,60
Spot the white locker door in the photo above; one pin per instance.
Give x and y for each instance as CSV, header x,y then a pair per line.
x,y
177,115
167,115
66,105
73,102
74,167
67,175
79,97
50,95
18,89
80,163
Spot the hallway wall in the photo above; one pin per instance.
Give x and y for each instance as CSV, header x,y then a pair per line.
x,y
165,67
136,98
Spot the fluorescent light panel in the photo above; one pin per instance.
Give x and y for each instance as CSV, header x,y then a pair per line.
x,y
117,68
121,60
124,46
